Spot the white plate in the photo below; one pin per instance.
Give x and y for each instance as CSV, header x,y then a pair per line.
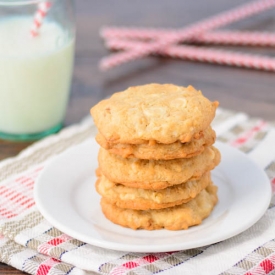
x,y
66,197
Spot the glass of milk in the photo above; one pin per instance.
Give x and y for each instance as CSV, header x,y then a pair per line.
x,y
35,71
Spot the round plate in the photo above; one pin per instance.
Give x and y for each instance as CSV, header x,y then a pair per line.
x,y
65,195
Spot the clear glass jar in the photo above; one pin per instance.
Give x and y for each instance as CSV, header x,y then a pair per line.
x,y
35,70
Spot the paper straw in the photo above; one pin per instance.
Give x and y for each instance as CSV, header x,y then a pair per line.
x,y
221,57
134,33
201,54
39,16
247,38
236,38
185,33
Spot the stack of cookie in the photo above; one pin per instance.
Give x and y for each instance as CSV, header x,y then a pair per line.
x,y
156,156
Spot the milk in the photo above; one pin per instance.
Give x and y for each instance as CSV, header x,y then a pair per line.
x,y
35,76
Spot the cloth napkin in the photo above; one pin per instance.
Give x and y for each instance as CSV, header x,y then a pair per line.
x,y
31,244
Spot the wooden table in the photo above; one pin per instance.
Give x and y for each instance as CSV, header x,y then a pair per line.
x,y
245,90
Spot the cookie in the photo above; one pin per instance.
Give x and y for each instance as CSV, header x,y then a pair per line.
x,y
159,150
154,113
172,218
142,199
156,174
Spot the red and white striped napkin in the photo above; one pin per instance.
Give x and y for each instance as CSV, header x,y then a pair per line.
x,y
31,244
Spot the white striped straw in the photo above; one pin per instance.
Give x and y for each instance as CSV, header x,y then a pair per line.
x,y
134,33
187,32
236,38
247,38
200,54
40,14
221,57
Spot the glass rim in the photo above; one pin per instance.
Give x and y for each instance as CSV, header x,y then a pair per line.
x,y
18,2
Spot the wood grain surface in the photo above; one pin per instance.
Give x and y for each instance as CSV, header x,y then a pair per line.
x,y
239,89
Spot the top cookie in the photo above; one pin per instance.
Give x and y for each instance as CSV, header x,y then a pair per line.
x,y
154,113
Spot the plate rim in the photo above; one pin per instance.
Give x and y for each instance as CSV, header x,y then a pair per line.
x,y
156,248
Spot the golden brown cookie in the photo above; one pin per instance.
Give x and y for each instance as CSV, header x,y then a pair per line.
x,y
159,150
172,218
156,174
143,199
154,113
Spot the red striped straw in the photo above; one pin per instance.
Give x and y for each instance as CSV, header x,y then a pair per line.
x,y
222,57
39,16
200,54
236,38
214,37
187,32
134,33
